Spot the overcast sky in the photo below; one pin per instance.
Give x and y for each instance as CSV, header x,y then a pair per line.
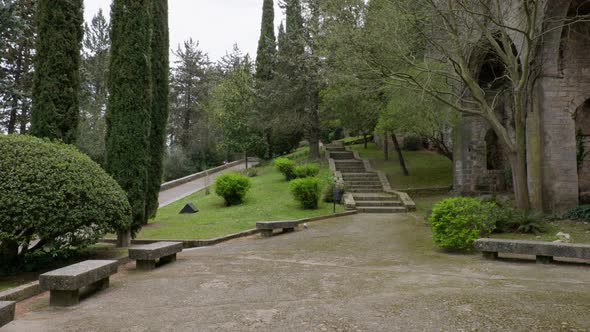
x,y
216,24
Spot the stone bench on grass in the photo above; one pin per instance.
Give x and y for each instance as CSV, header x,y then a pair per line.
x,y
6,312
64,284
268,227
544,251
146,255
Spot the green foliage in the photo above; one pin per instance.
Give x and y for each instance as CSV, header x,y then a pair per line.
x,y
54,193
57,69
233,187
307,191
286,167
129,105
305,171
160,45
581,212
457,222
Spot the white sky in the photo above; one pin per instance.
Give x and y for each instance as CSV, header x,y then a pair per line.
x,y
216,24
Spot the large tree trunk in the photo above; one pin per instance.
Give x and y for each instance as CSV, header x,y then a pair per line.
x,y
269,143
519,168
123,239
385,146
366,141
400,155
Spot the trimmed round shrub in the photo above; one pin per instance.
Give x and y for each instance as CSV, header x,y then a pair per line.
x,y
54,193
286,167
457,222
233,187
306,191
305,171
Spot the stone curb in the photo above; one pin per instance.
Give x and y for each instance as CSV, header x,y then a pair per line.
x,y
189,244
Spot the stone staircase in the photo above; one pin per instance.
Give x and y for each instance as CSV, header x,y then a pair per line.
x,y
362,185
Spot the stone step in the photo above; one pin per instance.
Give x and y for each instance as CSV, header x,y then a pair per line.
x,y
348,170
356,190
378,203
381,209
374,197
375,182
368,186
341,155
349,161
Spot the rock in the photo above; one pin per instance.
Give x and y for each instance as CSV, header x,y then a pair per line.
x,y
564,237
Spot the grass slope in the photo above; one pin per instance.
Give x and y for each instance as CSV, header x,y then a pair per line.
x,y
427,169
268,200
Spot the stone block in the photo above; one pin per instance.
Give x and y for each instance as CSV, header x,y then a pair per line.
x,y
543,250
79,275
7,309
155,250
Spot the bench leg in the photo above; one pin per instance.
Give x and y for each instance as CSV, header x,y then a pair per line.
x,y
266,233
64,298
544,259
145,265
101,284
489,255
288,230
168,259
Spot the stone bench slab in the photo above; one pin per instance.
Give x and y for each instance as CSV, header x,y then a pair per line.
x,y
155,251
276,225
7,309
537,248
79,275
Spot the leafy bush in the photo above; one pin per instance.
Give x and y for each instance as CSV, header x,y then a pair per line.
x,y
413,143
306,191
457,222
233,187
305,171
54,193
286,167
581,212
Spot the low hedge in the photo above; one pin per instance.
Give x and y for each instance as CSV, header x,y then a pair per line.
x,y
233,187
307,191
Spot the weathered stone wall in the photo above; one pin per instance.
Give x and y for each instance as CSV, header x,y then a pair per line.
x,y
563,87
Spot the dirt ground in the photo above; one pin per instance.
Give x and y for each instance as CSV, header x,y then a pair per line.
x,y
356,273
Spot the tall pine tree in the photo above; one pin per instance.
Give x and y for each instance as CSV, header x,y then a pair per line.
x,y
129,105
265,67
159,110
57,64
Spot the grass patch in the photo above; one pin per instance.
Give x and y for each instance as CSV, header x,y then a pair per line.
x,y
427,169
268,200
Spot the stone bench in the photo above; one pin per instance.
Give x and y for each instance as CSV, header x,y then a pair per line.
x,y
64,284
6,312
146,255
268,227
544,251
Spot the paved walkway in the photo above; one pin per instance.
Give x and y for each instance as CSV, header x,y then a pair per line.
x,y
356,273
174,194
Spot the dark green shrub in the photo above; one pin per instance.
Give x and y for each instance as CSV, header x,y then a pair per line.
x,y
286,167
413,143
306,191
305,171
54,193
581,212
233,187
457,222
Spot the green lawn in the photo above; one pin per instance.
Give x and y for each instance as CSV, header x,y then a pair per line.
x,y
427,169
268,200
579,232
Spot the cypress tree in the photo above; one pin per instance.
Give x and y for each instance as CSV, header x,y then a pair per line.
x,y
56,82
266,56
265,67
159,110
129,105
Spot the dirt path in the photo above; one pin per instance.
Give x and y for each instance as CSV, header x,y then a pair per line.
x,y
357,273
